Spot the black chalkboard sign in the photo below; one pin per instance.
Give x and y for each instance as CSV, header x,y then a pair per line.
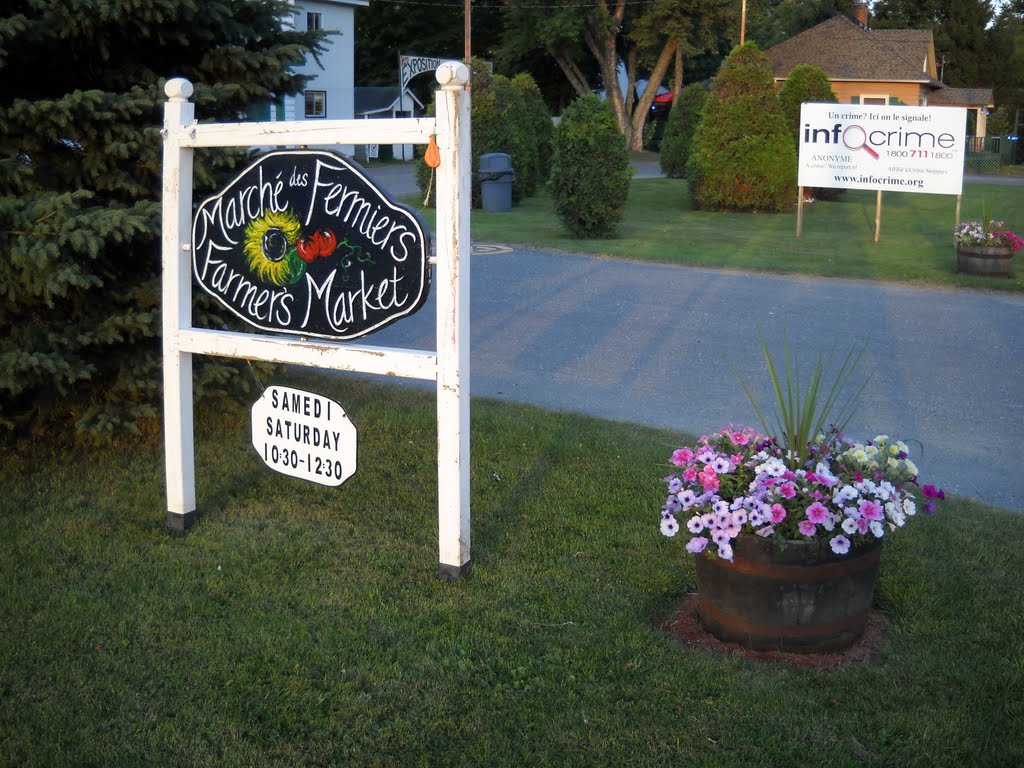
x,y
303,242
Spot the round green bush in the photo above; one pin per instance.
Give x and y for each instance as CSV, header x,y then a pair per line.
x,y
589,169
743,156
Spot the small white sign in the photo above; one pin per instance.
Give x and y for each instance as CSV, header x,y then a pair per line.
x,y
898,148
304,435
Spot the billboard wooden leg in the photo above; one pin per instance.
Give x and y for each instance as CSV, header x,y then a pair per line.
x,y
799,211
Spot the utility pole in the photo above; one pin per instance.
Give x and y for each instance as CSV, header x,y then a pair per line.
x,y
469,64
743,21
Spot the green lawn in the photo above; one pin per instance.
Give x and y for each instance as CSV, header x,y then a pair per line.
x,y
298,625
915,244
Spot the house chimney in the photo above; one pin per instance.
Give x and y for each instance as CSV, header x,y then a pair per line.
x,y
860,13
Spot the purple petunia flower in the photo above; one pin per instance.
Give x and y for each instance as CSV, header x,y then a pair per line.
x,y
840,545
696,545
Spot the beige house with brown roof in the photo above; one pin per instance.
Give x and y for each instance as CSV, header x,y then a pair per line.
x,y
876,66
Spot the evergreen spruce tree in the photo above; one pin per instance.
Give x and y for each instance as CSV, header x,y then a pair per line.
x,y
81,108
743,157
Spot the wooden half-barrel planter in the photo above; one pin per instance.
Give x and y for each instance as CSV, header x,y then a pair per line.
x,y
984,260
799,597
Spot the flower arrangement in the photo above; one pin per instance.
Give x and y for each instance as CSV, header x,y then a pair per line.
x,y
737,480
992,235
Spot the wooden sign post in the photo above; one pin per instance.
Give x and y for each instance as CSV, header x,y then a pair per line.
x,y
320,314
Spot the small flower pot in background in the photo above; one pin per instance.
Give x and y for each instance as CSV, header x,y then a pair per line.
x,y
985,249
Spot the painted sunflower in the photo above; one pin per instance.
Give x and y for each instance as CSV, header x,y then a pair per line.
x,y
270,248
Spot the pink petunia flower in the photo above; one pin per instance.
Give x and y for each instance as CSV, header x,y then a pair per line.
x,y
787,490
682,456
817,512
807,528
778,513
870,510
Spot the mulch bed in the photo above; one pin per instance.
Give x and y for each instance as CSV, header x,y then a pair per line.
x,y
685,627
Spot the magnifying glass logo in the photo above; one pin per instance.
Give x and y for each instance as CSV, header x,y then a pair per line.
x,y
855,137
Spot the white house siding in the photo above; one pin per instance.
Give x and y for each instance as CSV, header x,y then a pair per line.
x,y
334,74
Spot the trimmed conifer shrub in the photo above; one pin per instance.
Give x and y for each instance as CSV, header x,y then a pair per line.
x,y
681,125
534,123
81,105
806,84
589,169
743,157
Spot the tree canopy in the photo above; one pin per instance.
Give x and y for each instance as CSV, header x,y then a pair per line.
x,y
635,39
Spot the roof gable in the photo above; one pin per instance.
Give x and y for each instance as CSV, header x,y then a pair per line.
x,y
845,50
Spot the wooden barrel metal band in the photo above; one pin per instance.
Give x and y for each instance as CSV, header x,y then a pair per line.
x,y
738,626
804,573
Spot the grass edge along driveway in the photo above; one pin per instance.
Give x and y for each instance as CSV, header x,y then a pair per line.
x,y
915,246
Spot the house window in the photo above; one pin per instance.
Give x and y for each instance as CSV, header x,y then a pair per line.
x,y
314,22
316,103
876,100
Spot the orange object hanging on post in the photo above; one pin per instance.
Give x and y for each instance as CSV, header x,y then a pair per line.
x,y
432,157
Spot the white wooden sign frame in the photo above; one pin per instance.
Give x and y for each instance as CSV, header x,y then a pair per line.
x,y
448,366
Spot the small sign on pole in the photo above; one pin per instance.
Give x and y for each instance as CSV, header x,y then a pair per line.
x,y
304,435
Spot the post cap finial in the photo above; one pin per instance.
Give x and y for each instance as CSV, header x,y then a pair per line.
x,y
452,73
178,89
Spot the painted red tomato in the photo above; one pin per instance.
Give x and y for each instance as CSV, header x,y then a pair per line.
x,y
308,248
